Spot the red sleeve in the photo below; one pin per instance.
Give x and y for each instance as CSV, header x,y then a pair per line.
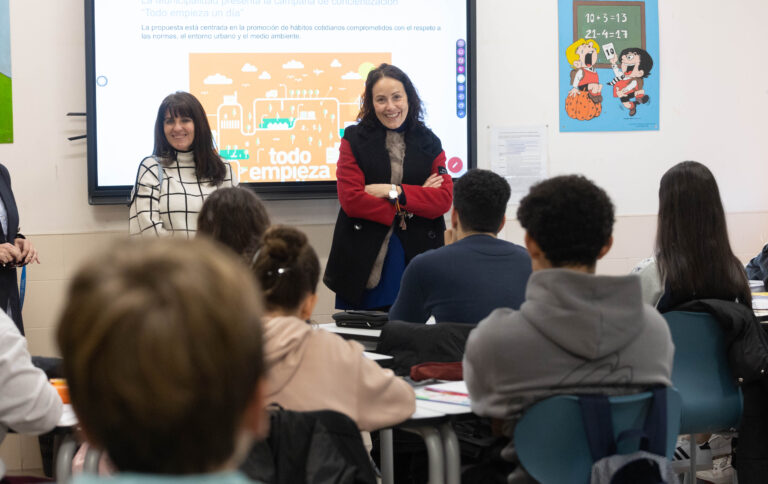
x,y
350,185
431,202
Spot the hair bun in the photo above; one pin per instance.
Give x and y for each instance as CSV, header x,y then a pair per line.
x,y
283,245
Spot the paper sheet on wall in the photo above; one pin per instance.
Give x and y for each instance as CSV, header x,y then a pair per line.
x,y
520,156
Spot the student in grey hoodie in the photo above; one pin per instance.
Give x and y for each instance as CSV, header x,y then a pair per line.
x,y
576,331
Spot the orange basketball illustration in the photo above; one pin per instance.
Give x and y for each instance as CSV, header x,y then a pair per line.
x,y
581,107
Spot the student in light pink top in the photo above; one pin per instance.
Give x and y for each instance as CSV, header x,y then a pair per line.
x,y
312,369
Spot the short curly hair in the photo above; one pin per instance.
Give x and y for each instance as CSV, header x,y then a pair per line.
x,y
480,198
569,217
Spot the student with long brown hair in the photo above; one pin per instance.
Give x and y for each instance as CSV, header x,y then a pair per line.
x,y
693,257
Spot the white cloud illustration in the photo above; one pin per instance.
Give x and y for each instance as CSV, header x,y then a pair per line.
x,y
249,68
265,75
217,79
317,72
335,63
293,64
351,75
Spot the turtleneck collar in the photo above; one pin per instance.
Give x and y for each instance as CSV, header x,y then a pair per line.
x,y
185,156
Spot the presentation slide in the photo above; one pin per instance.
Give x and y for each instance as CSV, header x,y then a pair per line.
x,y
280,80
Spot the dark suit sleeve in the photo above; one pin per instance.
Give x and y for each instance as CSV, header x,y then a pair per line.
x,y
410,303
10,206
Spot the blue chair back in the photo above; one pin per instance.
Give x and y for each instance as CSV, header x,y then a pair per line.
x,y
711,400
552,445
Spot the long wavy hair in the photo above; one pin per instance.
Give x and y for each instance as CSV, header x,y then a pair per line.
x,y
367,114
208,163
693,252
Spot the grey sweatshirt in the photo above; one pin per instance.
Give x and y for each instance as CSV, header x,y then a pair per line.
x,y
575,332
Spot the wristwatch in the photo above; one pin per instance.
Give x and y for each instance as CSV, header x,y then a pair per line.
x,y
393,193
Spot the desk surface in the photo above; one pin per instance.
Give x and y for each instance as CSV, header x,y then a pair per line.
x,y
370,333
376,356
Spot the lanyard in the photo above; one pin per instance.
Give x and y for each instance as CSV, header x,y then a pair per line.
x,y
22,287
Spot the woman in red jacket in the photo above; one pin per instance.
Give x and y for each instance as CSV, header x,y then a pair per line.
x,y
393,188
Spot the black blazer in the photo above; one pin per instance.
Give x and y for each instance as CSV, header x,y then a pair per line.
x,y
9,289
356,241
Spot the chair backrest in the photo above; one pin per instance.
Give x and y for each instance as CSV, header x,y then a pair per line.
x,y
711,400
551,442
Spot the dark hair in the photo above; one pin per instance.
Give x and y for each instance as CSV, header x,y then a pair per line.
x,y
287,268
480,198
162,351
208,164
646,63
570,218
367,114
235,217
693,252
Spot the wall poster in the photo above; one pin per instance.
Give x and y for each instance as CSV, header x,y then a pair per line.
x,y
6,108
609,65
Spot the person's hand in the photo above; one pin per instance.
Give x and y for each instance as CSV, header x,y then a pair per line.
x,y
449,236
380,190
9,254
28,253
434,181
573,92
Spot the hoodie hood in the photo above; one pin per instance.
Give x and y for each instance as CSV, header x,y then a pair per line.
x,y
285,340
572,308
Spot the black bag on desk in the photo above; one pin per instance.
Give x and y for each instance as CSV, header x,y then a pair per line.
x,y
361,319
412,343
310,447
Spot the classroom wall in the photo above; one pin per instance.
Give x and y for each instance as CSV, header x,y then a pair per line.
x,y
710,112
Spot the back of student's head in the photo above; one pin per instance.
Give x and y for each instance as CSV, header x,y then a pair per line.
x,y
692,248
569,217
162,350
235,217
480,199
287,268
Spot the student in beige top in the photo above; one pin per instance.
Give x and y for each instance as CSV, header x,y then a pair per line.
x,y
312,369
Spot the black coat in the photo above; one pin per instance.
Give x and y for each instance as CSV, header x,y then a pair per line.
x,y
745,339
321,447
357,240
9,289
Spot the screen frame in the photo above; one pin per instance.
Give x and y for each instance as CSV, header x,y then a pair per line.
x,y
120,194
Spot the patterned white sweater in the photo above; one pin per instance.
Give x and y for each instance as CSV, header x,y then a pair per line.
x,y
170,209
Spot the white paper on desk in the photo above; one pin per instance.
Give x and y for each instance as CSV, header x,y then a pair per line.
x,y
759,302
520,156
452,386
756,285
454,393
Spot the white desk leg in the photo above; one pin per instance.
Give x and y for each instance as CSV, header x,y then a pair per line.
x,y
91,464
386,452
452,454
64,457
435,453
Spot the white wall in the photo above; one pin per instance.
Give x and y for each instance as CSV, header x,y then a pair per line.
x,y
712,105
710,112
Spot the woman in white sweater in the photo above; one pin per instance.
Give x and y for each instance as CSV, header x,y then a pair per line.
x,y
172,184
